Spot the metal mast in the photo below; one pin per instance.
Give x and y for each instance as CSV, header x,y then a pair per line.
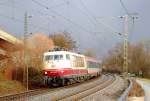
x,y
125,62
25,53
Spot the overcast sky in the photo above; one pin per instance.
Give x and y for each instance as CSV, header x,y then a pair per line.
x,y
92,23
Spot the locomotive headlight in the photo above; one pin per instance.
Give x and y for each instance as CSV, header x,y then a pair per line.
x,y
45,72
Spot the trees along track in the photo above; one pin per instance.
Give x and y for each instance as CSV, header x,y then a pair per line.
x,y
63,93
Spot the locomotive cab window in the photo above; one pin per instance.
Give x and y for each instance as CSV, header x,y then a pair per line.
x,y
61,57
49,57
67,56
58,57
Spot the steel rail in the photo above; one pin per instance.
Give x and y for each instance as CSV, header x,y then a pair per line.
x,y
16,96
27,94
90,90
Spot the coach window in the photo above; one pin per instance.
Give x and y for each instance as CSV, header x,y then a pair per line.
x,y
67,56
73,61
82,62
76,61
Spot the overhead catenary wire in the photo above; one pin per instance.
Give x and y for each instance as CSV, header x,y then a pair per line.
x,y
20,8
86,14
13,18
20,21
90,13
127,12
109,28
95,19
124,7
50,8
67,19
130,15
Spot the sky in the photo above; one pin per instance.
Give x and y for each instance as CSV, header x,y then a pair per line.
x,y
94,24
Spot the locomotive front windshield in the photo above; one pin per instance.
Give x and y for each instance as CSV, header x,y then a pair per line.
x,y
48,57
58,57
53,57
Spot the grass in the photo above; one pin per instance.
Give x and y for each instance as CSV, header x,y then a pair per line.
x,y
136,90
137,93
1,76
10,87
7,84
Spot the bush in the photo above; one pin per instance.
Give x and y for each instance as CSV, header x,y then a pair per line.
x,y
1,76
35,78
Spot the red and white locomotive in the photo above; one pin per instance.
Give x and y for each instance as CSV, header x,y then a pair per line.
x,y
63,67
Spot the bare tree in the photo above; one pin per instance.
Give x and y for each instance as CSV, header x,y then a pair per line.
x,y
63,40
138,59
90,52
34,48
37,44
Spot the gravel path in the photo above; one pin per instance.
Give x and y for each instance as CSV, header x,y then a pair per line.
x,y
146,87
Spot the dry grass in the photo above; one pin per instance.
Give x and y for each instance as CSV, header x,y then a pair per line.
x,y
10,87
135,99
144,79
136,91
1,76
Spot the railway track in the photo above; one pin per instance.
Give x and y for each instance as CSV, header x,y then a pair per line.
x,y
86,92
73,92
13,97
25,95
112,92
76,93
